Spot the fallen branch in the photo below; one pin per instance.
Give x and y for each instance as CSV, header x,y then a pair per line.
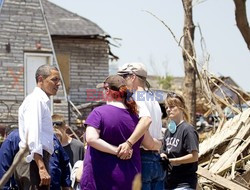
x,y
19,156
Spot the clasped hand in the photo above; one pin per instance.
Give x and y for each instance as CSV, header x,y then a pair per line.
x,y
124,151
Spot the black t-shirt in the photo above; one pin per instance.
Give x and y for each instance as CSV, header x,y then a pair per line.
x,y
75,151
182,142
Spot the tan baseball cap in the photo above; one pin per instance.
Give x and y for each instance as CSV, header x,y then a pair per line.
x,y
114,82
133,68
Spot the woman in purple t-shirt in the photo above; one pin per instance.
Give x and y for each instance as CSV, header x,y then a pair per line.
x,y
107,127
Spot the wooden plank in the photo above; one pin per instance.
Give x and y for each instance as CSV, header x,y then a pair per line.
x,y
214,141
234,156
221,181
63,60
233,151
238,163
230,128
243,179
223,101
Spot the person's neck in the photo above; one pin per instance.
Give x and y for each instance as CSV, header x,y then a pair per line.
x,y
140,88
66,139
178,121
116,104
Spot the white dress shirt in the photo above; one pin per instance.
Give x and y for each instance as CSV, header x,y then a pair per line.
x,y
35,124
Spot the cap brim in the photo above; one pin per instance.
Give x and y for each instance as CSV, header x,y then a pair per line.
x,y
100,85
124,72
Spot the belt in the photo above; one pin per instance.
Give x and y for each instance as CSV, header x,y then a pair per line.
x,y
148,151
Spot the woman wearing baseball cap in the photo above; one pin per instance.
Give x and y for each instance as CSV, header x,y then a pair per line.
x,y
107,127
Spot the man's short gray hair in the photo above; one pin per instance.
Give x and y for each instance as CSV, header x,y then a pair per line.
x,y
44,71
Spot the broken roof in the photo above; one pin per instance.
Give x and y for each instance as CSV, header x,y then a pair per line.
x,y
63,22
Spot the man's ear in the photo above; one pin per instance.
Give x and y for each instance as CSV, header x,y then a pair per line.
x,y
40,78
133,77
107,90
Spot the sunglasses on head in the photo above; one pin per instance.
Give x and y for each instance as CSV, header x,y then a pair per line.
x,y
174,95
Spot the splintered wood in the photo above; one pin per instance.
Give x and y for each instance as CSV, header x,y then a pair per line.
x,y
225,155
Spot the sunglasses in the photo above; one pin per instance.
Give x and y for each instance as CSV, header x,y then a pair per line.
x,y
126,75
58,123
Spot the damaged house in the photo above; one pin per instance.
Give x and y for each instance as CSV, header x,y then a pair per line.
x,y
35,32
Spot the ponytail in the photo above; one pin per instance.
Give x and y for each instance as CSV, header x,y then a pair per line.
x,y
128,100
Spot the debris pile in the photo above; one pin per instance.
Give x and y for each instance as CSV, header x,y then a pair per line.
x,y
224,158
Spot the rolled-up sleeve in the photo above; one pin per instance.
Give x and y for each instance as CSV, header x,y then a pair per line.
x,y
32,122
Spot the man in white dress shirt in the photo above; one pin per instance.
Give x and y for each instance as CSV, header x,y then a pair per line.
x,y
36,131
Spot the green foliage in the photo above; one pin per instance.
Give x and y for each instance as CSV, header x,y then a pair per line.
x,y
165,81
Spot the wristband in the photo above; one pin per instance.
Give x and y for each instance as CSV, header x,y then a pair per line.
x,y
129,143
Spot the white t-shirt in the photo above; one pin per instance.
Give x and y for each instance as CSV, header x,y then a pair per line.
x,y
149,107
35,124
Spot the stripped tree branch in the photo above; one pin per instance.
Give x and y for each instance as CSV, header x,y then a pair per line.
x,y
241,20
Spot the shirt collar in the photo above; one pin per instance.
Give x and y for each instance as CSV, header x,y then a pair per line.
x,y
42,94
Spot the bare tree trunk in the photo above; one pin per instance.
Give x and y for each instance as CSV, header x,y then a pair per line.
x,y
190,77
241,20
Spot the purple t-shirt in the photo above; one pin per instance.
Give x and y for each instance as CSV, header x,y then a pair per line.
x,y
105,171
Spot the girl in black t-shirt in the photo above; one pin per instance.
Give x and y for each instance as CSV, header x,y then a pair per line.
x,y
180,145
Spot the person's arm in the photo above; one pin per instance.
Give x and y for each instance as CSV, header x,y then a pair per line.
x,y
189,158
141,128
6,157
43,173
93,139
79,172
150,142
31,134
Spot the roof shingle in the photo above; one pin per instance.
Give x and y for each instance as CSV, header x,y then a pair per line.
x,y
63,22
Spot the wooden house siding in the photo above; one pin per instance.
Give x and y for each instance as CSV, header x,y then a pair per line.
x,y
88,64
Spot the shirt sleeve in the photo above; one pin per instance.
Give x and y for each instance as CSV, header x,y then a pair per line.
x,y
191,140
94,119
32,122
143,110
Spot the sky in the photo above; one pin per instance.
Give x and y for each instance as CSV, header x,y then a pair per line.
x,y
145,39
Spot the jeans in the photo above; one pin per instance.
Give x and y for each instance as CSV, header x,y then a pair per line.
x,y
152,171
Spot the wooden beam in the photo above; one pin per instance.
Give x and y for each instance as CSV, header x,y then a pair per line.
x,y
218,179
238,163
234,150
227,104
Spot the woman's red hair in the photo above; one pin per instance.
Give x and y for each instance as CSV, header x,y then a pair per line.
x,y
123,96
